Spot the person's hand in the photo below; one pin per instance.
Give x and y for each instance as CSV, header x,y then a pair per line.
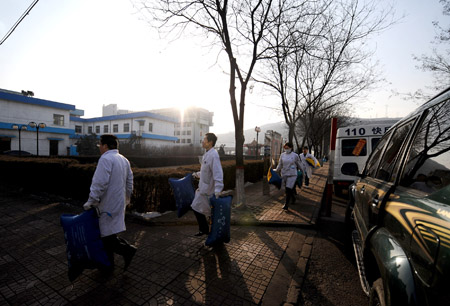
x,y
217,194
89,204
195,175
127,201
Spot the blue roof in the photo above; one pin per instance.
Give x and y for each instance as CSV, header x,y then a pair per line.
x,y
47,129
126,116
29,100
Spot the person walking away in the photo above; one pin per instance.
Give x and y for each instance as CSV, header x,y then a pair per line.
x,y
307,167
288,164
110,193
211,183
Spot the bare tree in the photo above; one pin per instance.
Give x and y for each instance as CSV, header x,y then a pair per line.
x,y
237,27
439,61
321,61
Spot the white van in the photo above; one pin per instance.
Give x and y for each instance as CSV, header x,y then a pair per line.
x,y
353,146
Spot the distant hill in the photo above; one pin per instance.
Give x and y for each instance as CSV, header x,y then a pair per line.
x,y
281,127
250,134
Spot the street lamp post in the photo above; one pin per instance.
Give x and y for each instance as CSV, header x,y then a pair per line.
x,y
257,130
37,126
19,127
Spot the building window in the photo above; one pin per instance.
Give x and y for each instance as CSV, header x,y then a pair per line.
x,y
188,133
188,140
97,129
141,122
115,128
90,129
78,129
178,132
58,119
183,140
126,127
201,133
105,129
177,125
150,127
178,141
184,133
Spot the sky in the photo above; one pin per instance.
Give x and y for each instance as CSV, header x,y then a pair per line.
x,y
97,52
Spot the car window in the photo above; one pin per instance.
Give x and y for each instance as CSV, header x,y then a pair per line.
x,y
387,169
354,147
374,142
428,165
372,163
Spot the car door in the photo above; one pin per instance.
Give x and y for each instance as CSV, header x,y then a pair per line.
x,y
379,177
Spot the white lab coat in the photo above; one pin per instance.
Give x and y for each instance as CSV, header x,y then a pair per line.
x,y
211,181
111,186
306,167
288,165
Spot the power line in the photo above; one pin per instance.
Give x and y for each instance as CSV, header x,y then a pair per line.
x,y
18,21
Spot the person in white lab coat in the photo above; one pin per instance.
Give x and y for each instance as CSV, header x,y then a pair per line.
x,y
110,193
306,167
211,183
288,165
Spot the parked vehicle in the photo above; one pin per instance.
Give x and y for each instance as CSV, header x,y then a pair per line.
x,y
353,146
17,153
400,206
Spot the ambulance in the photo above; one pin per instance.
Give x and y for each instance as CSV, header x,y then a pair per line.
x,y
353,146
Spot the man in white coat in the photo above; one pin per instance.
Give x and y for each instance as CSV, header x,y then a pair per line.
x,y
110,193
306,167
211,183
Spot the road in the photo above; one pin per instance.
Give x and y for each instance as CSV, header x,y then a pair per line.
x,y
332,277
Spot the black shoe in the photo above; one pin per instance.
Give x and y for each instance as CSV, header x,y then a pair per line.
x,y
128,257
285,207
200,234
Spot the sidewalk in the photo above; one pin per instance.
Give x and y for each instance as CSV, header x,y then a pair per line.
x,y
263,264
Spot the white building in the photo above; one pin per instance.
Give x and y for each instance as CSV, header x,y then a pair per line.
x,y
52,118
193,123
60,125
152,129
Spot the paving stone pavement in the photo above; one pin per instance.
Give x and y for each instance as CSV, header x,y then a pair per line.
x,y
263,264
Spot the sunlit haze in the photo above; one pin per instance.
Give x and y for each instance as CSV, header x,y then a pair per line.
x,y
92,53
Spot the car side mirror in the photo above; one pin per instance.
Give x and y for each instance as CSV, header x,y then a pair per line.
x,y
350,169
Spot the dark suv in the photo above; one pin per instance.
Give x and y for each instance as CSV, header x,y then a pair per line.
x,y
400,206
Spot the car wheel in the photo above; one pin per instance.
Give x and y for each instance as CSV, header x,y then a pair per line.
x,y
377,294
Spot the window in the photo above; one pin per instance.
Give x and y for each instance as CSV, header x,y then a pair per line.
x,y
354,147
115,128
150,127
78,129
184,133
188,132
178,132
178,141
90,129
126,127
428,164
372,163
97,129
188,140
141,122
183,140
388,168
375,142
58,119
105,129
